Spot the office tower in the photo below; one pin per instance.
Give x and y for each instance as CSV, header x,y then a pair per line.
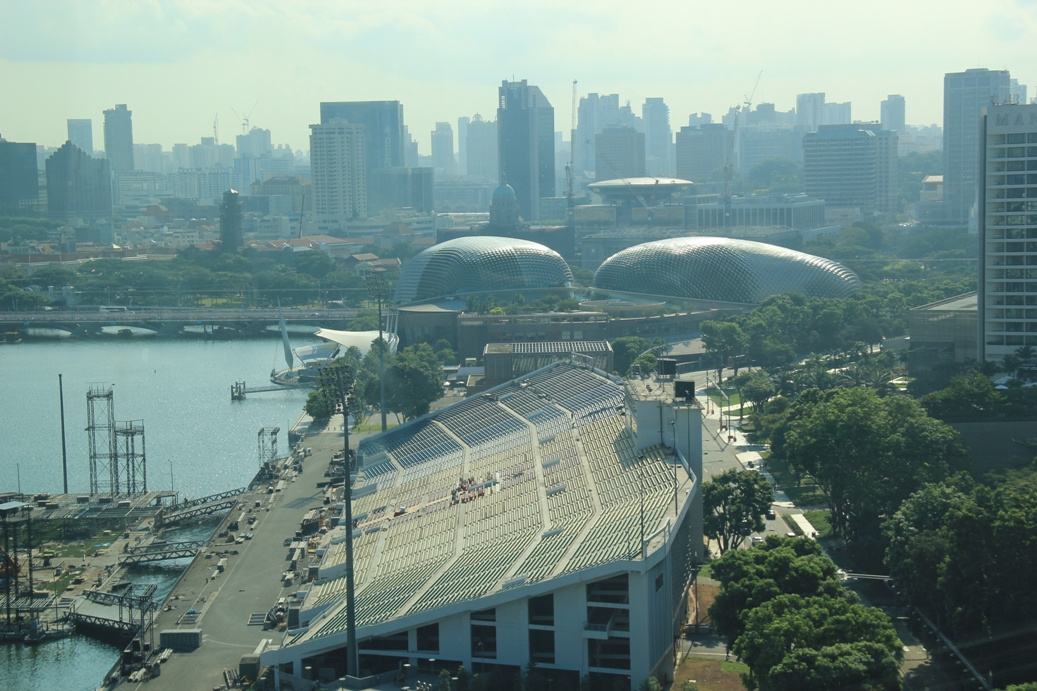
x,y
702,150
78,185
81,133
255,143
337,168
892,113
382,123
19,180
1007,233
699,119
525,140
965,94
810,109
462,145
852,167
118,138
1017,91
836,114
401,188
443,150
481,149
620,153
231,222
658,137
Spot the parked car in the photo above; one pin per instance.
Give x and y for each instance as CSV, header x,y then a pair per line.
x,y
771,515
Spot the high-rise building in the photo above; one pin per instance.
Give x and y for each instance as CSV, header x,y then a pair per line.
x,y
78,185
231,222
481,149
892,114
701,150
81,133
337,168
462,145
1007,233
525,136
620,153
1017,90
965,94
19,180
382,123
658,137
118,138
852,167
836,114
443,150
810,111
255,143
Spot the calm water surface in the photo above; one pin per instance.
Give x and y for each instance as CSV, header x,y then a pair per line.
x,y
196,440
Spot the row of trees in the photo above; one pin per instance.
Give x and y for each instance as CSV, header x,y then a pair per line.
x,y
413,381
784,612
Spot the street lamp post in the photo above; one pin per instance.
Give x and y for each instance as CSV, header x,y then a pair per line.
x,y
377,287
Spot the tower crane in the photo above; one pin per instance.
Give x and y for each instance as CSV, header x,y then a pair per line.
x,y
245,120
729,151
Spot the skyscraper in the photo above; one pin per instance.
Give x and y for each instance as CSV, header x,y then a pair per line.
x,y
337,158
965,94
1007,234
893,114
658,137
701,150
852,166
231,222
810,111
118,138
81,133
525,136
78,185
620,153
443,150
462,145
481,150
382,123
19,182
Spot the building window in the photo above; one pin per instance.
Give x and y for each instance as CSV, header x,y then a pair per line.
x,y
428,638
542,610
542,646
613,653
484,641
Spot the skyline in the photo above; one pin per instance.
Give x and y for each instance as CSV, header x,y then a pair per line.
x,y
179,65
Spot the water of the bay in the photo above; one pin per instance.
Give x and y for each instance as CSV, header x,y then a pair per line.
x,y
196,440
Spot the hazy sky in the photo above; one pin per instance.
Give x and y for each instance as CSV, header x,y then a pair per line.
x,y
177,64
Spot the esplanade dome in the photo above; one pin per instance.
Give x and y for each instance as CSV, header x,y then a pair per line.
x,y
480,264
722,270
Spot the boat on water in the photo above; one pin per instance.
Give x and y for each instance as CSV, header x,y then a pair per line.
x,y
305,363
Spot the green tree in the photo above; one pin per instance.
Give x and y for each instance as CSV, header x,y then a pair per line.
x,y
365,320
858,665
758,389
776,176
444,680
626,349
724,341
733,505
851,639
867,454
650,684
463,678
968,398
414,380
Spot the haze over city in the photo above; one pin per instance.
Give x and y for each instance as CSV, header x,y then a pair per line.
x,y
179,65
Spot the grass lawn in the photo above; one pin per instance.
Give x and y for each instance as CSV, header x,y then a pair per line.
x,y
710,674
806,495
820,520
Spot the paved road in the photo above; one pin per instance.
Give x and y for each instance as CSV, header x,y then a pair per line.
x,y
251,583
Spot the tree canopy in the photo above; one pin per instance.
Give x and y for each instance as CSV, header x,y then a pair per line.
x,y
733,504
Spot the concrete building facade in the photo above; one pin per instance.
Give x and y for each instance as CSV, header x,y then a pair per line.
x,y
1007,298
852,167
81,133
118,138
892,113
337,168
78,185
525,141
619,153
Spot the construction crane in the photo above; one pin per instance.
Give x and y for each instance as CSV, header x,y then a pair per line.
x,y
729,151
570,202
216,129
245,120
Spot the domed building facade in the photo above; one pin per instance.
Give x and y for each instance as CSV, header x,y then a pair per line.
x,y
480,264
722,270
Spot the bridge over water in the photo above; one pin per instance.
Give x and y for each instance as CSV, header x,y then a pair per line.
x,y
195,322
202,506
160,552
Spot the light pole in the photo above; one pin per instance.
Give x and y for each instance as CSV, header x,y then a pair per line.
x,y
377,287
352,657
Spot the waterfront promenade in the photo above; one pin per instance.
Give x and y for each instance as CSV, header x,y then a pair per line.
x,y
230,607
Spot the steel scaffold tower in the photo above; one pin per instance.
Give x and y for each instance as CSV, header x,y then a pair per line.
x,y
100,426
133,461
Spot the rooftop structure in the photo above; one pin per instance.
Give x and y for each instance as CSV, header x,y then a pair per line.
x,y
478,265
630,191
722,270
555,518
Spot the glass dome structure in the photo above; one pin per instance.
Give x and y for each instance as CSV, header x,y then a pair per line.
x,y
722,269
479,265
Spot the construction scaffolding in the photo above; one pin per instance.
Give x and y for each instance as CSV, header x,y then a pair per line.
x,y
268,445
100,427
130,455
